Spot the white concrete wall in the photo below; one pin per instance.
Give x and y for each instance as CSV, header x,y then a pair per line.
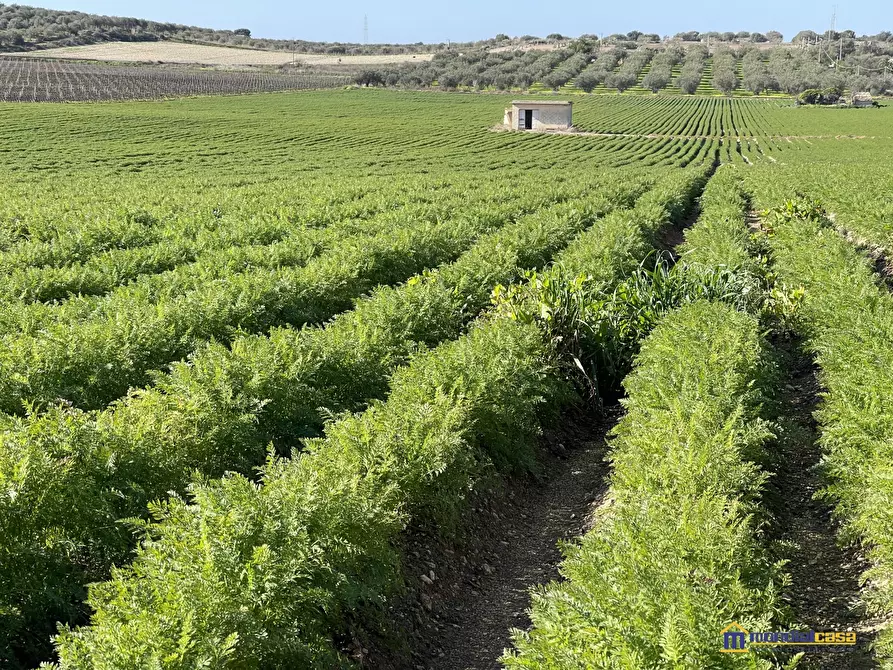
x,y
552,117
546,117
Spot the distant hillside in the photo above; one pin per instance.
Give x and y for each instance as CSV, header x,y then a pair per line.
x,y
24,28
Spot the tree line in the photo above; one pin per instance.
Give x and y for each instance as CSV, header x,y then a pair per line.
x,y
853,65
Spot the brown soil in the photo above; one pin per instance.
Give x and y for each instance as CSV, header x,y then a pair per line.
x,y
824,593
476,589
879,255
753,221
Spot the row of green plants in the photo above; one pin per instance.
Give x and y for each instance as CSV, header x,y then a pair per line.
x,y
105,272
322,527
97,250
53,270
675,553
267,575
720,238
280,232
648,151
597,326
865,213
847,321
375,133
254,247
94,358
702,117
83,225
719,259
220,410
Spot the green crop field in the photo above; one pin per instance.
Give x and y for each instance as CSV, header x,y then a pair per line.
x,y
256,350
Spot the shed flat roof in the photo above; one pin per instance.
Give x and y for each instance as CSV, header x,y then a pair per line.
x,y
542,102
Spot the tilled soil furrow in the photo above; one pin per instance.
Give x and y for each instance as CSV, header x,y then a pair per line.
x,y
824,593
462,618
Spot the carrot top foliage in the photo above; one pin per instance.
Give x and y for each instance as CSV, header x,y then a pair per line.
x,y
245,343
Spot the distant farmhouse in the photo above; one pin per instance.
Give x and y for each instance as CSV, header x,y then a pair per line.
x,y
539,115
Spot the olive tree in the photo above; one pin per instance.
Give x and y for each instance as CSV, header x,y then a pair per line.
x,y
725,80
621,80
689,81
657,78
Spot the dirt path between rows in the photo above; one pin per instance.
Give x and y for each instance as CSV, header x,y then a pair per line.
x,y
524,553
459,616
824,593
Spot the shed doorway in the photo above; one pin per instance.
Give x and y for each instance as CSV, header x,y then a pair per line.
x,y
528,119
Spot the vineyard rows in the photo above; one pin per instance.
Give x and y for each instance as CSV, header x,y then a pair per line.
x,y
247,358
38,80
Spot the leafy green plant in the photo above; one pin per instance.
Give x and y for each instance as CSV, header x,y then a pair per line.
x,y
220,411
598,333
499,425
797,209
315,539
784,304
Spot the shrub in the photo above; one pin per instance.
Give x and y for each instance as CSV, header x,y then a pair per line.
x,y
369,78
621,80
689,82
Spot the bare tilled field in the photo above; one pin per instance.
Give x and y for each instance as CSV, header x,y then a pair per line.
x,y
178,52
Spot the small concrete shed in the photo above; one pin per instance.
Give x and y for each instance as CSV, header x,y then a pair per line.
x,y
539,115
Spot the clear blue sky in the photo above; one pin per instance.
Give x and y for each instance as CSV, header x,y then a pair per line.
x,y
466,20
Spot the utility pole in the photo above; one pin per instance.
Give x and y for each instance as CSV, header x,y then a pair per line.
x,y
834,30
365,29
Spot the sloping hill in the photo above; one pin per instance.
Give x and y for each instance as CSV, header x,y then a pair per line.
x,y
24,28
